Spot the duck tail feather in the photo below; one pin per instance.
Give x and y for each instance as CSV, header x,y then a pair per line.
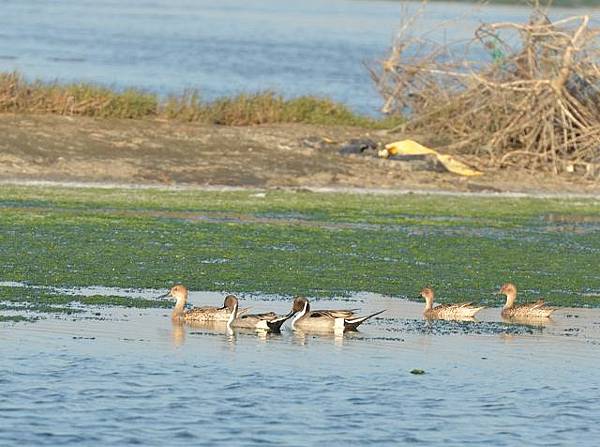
x,y
353,323
275,325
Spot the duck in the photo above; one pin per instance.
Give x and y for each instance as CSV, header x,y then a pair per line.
x,y
326,320
447,311
529,310
269,321
198,314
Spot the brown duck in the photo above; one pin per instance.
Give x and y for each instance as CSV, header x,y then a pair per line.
x,y
198,314
530,310
447,311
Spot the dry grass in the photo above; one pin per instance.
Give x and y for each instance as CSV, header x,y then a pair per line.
x,y
532,100
20,96
265,107
17,95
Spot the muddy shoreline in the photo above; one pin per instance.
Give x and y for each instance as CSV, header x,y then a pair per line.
x,y
78,151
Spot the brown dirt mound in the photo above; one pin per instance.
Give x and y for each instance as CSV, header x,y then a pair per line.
x,y
123,151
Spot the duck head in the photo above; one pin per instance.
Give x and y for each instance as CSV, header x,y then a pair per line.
x,y
180,293
230,302
510,290
300,305
428,294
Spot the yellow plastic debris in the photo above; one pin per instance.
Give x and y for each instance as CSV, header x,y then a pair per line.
x,y
410,147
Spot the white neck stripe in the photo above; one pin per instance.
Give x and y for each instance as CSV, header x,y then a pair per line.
x,y
233,315
300,315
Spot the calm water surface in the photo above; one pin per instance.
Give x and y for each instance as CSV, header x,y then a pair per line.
x,y
221,47
126,377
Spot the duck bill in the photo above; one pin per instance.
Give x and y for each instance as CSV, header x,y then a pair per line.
x,y
166,295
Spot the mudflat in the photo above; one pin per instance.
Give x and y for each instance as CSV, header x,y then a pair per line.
x,y
155,152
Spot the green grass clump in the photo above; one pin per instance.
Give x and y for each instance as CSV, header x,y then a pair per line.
x,y
20,96
17,95
267,108
336,244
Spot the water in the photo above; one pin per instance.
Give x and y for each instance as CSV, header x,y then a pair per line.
x,y
221,48
115,376
132,377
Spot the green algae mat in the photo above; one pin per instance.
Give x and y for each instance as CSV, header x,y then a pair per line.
x,y
288,243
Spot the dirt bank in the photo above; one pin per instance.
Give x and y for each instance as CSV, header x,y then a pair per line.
x,y
66,149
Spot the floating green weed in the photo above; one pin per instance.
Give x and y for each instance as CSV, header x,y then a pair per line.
x,y
335,244
16,318
39,300
324,207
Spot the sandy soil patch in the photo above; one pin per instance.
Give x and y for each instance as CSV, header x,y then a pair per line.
x,y
66,149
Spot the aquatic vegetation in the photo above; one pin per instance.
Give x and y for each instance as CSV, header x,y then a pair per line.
x,y
423,209
15,319
40,307
42,300
456,327
334,245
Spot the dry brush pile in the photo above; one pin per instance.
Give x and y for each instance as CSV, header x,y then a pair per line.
x,y
523,94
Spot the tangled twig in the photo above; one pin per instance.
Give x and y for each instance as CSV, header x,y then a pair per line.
x,y
536,101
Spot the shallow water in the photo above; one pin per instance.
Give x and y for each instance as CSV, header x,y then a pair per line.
x,y
221,48
130,376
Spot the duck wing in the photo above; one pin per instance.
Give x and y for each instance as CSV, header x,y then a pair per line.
x,y
322,314
443,307
530,306
340,313
243,310
465,304
264,316
201,310
539,303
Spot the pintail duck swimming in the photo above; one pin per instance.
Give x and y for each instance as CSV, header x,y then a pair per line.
x,y
198,314
325,320
269,321
447,311
530,310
